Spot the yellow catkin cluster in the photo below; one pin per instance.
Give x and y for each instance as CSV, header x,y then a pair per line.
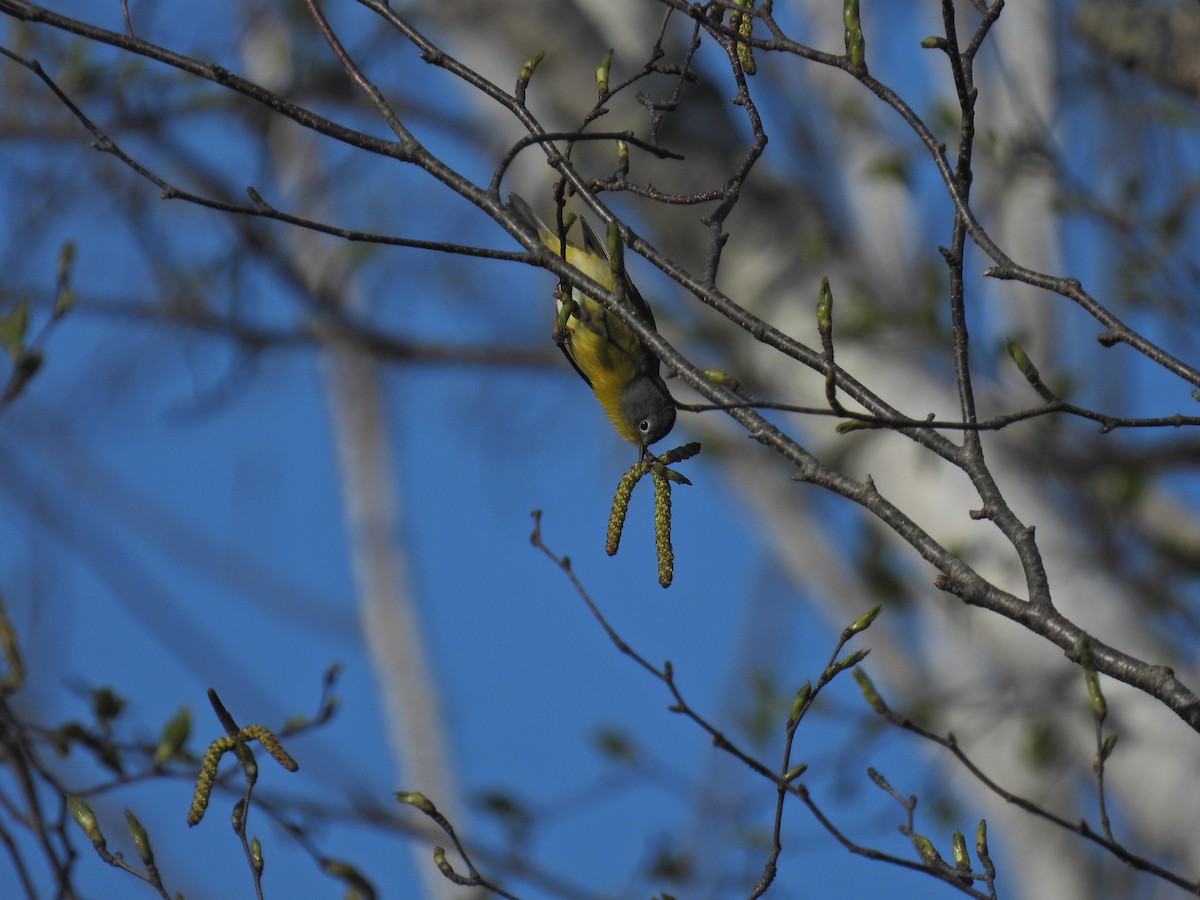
x,y
662,526
221,746
204,781
679,454
271,744
620,506
662,477
744,24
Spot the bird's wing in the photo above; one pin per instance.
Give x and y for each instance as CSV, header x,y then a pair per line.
x,y
592,242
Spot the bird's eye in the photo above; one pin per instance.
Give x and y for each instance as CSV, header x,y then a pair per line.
x,y
644,426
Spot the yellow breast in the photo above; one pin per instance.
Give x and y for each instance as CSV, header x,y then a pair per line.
x,y
607,351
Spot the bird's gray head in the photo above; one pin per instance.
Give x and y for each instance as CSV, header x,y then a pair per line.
x,y
648,408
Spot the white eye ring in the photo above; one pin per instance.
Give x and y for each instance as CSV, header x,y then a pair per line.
x,y
644,426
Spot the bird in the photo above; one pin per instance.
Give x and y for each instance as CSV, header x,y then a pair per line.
x,y
607,354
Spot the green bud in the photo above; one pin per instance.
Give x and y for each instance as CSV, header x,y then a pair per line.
x,y
13,326
336,867
83,815
64,299
795,772
1091,679
868,691
174,735
417,799
847,662
616,250
443,864
677,477
602,71
1099,705
856,44
141,840
1024,364
824,306
348,873
237,818
1109,745
328,708
799,702
66,258
527,71
256,855
863,622
958,850
248,762
925,848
